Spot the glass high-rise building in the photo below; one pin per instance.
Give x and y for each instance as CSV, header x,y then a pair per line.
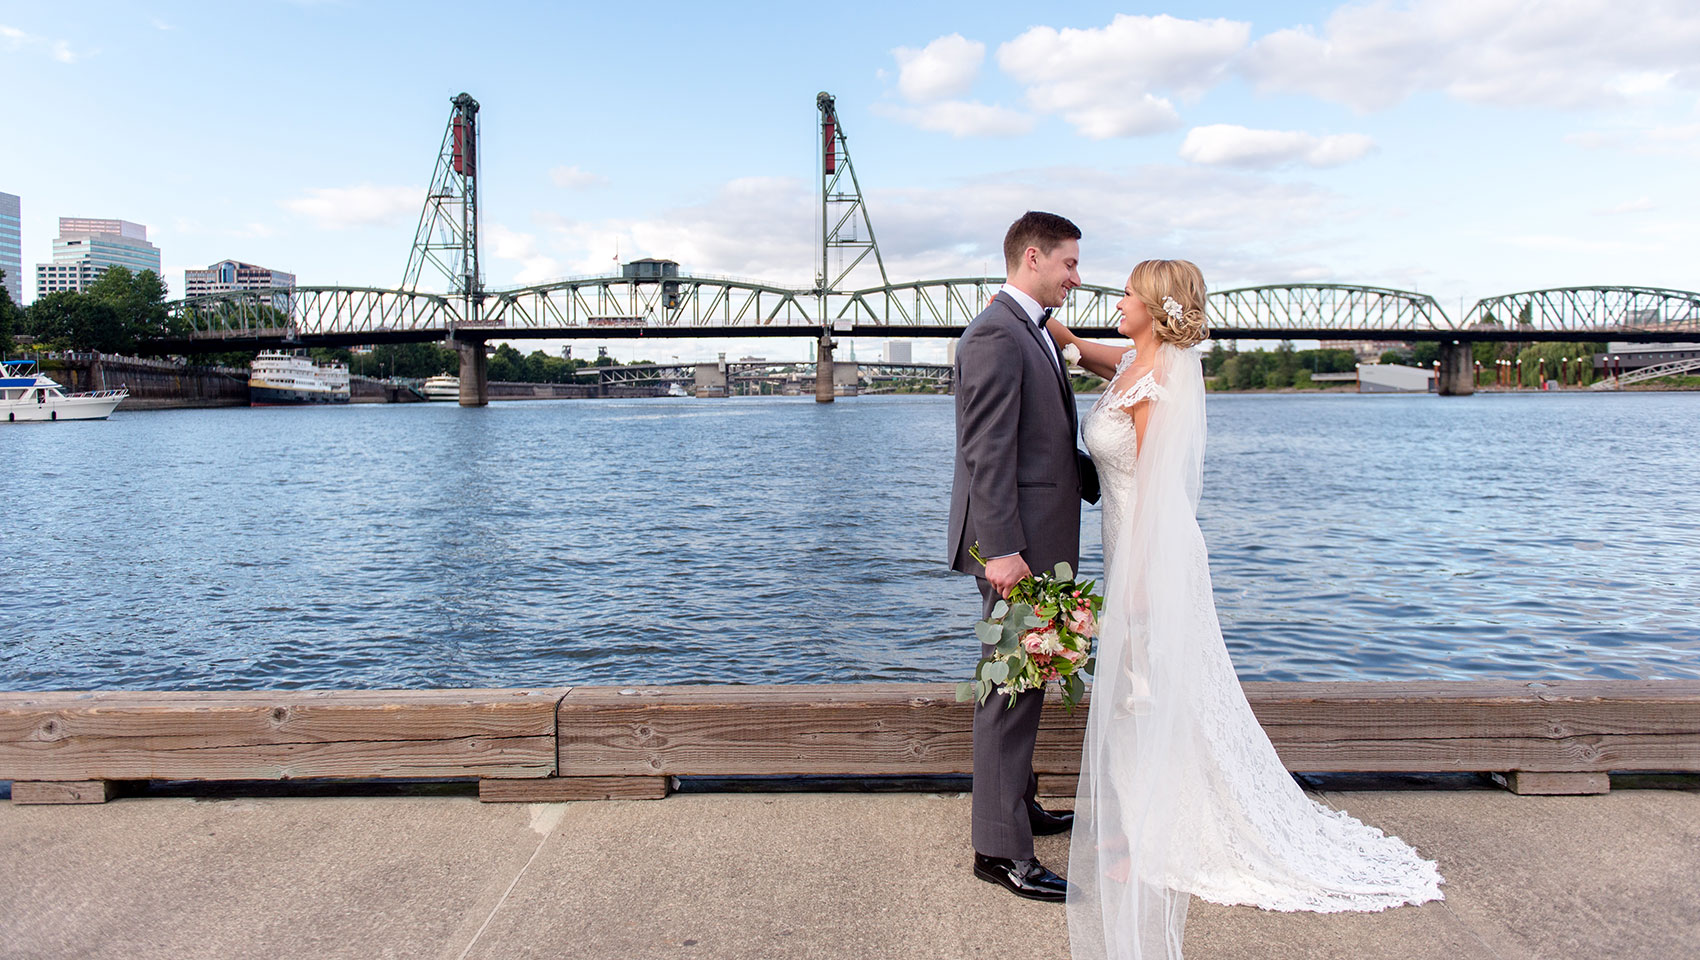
x,y
12,246
87,248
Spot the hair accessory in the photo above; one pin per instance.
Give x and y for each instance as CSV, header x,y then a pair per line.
x,y
1173,309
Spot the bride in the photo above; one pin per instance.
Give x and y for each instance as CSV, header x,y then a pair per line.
x,y
1181,793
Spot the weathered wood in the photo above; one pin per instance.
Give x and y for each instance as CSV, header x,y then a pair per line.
x,y
815,730
1542,783
62,791
559,789
277,734
919,729
1058,786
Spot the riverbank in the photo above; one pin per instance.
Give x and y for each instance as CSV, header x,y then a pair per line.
x,y
426,871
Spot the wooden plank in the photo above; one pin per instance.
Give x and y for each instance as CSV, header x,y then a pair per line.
x,y
360,759
277,734
919,729
1529,782
560,789
1490,754
65,791
1058,785
1377,710
825,730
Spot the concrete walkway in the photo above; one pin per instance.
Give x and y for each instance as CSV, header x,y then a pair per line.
x,y
746,875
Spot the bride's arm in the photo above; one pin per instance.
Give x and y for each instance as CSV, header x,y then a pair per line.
x,y
1099,359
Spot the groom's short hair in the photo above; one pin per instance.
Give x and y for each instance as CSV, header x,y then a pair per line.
x,y
1036,228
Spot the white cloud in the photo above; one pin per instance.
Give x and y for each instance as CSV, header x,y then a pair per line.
x,y
11,38
159,24
961,118
365,205
1582,53
1116,80
1638,205
947,67
521,248
1236,146
573,178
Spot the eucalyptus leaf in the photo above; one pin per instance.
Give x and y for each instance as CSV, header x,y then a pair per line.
x,y
1092,665
964,692
1064,571
999,609
997,671
1009,644
988,632
1036,621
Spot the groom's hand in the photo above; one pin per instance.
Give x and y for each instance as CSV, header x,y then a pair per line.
x,y
1005,572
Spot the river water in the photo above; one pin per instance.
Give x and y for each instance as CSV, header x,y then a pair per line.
x,y
766,540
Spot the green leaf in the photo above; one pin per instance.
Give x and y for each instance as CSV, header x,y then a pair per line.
x,y
1008,645
964,692
1092,666
1036,621
997,671
988,632
1064,571
999,609
1047,611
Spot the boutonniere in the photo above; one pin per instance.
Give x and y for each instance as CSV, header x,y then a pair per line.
x,y
1071,353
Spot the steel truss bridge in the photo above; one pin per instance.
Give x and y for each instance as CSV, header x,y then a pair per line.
x,y
665,303
613,307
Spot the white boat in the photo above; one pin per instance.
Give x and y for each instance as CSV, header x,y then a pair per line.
x,y
677,390
28,394
441,387
289,378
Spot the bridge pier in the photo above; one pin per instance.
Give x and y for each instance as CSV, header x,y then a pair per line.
x,y
474,373
824,369
1457,370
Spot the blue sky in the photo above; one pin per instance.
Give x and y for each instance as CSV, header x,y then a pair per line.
x,y
1458,148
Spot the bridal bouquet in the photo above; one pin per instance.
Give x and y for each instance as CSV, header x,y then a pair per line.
x,y
1042,632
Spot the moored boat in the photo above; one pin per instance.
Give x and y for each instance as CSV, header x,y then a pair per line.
x,y
441,387
277,378
27,394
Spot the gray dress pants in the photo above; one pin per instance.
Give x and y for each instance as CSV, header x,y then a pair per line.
x,y
1004,783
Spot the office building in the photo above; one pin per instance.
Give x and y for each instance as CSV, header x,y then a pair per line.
x,y
897,351
87,248
227,275
12,246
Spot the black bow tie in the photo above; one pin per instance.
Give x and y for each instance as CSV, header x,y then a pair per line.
x,y
1044,315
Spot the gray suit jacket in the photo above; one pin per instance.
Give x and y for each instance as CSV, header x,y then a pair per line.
x,y
1019,478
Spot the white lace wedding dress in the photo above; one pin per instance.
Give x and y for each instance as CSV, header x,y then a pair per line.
x,y
1181,793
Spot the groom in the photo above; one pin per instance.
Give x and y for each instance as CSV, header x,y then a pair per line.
x,y
1017,491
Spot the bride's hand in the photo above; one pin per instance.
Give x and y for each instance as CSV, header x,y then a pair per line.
x,y
1098,359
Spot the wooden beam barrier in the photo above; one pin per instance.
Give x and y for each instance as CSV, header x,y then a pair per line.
x,y
71,747
1558,737
629,742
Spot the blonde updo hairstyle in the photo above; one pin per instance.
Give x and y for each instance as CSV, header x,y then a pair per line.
x,y
1152,280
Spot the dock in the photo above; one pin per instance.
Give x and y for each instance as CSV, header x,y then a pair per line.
x,y
801,821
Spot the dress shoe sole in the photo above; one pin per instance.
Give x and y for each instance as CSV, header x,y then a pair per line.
x,y
1051,831
990,877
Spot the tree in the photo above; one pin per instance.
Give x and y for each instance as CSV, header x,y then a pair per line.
x,y
138,299
10,317
68,320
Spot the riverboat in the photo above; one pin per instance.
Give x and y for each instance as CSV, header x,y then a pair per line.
x,y
277,378
441,387
27,394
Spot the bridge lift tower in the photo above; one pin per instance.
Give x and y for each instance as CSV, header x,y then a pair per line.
x,y
447,239
844,229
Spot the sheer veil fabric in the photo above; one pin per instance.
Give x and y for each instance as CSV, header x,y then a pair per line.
x,y
1181,793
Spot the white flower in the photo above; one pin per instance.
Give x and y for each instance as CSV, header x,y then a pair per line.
x,y
1173,309
1071,353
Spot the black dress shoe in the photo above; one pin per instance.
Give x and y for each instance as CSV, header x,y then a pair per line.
x,y
1024,878
1046,823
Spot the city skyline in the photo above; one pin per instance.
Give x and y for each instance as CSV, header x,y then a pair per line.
x,y
1457,152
